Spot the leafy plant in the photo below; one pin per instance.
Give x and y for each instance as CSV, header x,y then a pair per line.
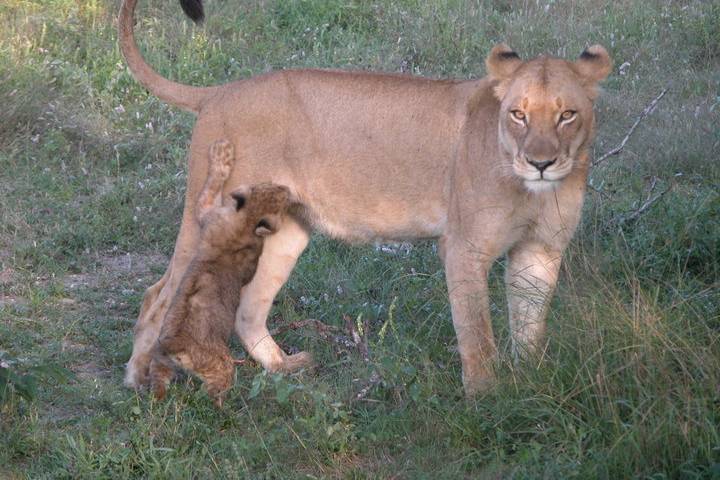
x,y
16,378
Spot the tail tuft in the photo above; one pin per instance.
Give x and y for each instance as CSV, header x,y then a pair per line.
x,y
193,9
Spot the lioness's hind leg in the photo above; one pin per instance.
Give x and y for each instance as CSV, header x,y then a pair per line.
x,y
146,331
157,300
221,158
158,297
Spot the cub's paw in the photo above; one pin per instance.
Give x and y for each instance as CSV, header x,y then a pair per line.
x,y
222,156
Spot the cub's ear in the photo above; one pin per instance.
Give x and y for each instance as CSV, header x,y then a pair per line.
x,y
239,198
502,62
267,225
594,65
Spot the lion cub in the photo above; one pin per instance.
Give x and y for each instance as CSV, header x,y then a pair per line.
x,y
200,318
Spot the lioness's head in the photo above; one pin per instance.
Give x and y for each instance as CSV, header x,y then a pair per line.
x,y
546,111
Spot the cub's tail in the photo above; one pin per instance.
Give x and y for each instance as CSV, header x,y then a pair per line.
x,y
183,96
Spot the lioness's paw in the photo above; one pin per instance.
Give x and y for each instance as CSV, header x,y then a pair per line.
x,y
136,375
478,384
222,155
298,361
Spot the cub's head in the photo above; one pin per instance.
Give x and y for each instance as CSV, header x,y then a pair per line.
x,y
546,111
247,216
259,209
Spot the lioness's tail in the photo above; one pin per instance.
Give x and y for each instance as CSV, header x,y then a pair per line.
x,y
184,96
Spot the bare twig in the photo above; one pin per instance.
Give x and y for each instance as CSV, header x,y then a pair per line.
x,y
359,332
619,148
322,328
649,202
598,191
645,206
243,361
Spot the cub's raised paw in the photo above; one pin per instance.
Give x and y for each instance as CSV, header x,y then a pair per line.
x,y
222,156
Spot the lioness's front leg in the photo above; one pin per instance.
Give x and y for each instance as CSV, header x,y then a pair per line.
x,y
466,272
530,280
280,253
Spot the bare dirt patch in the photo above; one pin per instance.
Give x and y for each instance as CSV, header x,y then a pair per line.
x,y
110,269
90,371
135,264
11,301
7,276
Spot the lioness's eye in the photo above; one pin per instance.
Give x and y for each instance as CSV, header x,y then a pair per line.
x,y
518,114
567,115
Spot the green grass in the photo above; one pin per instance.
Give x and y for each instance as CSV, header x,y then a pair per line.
x,y
92,173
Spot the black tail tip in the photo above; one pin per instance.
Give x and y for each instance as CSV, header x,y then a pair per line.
x,y
193,9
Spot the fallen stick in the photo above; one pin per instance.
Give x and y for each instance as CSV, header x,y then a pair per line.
x,y
619,148
322,328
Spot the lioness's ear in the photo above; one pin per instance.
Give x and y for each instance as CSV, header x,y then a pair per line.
x,y
502,62
594,65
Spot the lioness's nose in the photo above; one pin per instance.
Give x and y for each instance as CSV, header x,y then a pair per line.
x,y
541,166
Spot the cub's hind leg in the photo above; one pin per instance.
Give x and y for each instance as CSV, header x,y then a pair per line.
x,y
213,364
162,372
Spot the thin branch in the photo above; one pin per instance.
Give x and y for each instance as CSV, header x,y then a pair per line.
x,y
619,148
645,206
598,191
356,338
649,202
322,328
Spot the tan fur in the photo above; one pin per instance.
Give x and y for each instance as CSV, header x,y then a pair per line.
x,y
374,156
200,317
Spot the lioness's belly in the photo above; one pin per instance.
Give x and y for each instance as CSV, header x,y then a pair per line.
x,y
358,219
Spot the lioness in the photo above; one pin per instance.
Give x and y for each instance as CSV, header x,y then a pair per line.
x,y
490,166
200,318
